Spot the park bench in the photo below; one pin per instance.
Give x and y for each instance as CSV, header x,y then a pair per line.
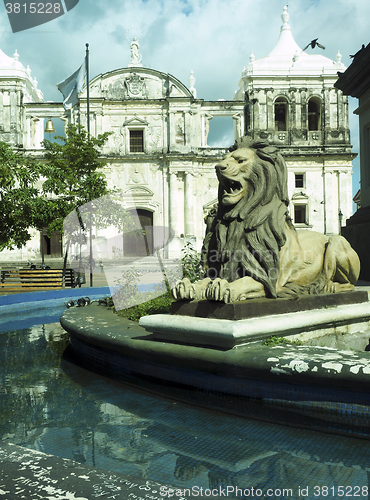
x,y
34,280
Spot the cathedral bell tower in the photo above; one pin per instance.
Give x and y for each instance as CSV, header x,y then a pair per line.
x,y
291,102
18,88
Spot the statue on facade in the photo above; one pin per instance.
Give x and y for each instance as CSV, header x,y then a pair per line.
x,y
135,54
252,249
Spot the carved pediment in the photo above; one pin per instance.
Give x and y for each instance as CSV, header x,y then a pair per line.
x,y
135,120
132,87
138,191
137,83
299,196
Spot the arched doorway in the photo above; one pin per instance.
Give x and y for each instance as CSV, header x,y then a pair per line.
x,y
135,243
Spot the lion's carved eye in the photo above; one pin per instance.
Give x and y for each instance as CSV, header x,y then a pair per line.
x,y
241,160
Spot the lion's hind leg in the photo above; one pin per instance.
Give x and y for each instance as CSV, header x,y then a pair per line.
x,y
341,265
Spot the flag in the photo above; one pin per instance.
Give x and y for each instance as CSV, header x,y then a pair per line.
x,y
72,86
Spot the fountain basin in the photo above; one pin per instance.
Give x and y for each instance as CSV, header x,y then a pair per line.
x,y
327,387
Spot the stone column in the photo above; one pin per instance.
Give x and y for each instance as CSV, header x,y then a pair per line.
x,y
188,128
174,248
65,119
98,123
270,120
242,125
6,111
13,117
345,189
189,205
325,117
339,209
324,201
172,130
39,131
173,201
238,126
304,110
205,129
331,195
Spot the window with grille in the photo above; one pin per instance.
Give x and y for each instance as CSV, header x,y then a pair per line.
x,y
136,141
314,114
281,114
299,180
300,214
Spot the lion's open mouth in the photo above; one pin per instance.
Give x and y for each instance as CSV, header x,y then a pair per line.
x,y
232,188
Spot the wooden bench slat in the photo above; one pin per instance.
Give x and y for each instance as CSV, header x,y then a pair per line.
x,y
31,275
36,285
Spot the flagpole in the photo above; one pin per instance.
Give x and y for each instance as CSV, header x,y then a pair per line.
x,y
88,90
88,135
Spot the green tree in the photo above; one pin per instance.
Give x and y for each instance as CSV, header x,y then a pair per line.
x,y
35,194
75,181
73,172
22,205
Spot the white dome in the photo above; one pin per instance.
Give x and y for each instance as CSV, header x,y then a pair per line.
x,y
287,57
5,61
11,67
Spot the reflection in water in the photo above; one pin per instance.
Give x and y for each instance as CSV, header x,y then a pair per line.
x,y
49,404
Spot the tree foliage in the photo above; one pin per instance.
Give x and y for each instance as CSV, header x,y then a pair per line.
x,y
73,172
21,202
35,194
75,180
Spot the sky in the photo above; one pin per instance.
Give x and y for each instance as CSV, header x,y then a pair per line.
x,y
213,38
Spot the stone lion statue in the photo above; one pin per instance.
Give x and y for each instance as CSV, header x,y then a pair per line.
x,y
251,248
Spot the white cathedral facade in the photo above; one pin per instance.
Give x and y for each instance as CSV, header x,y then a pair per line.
x,y
158,156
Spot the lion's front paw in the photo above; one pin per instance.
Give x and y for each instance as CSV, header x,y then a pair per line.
x,y
183,290
186,290
220,290
241,289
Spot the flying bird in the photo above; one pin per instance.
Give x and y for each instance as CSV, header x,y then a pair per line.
x,y
358,53
313,44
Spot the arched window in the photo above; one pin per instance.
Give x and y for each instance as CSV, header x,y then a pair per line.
x,y
314,105
281,114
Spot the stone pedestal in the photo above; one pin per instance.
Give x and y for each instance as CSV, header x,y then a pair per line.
x,y
323,315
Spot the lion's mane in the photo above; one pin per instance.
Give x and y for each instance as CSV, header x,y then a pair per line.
x,y
245,239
